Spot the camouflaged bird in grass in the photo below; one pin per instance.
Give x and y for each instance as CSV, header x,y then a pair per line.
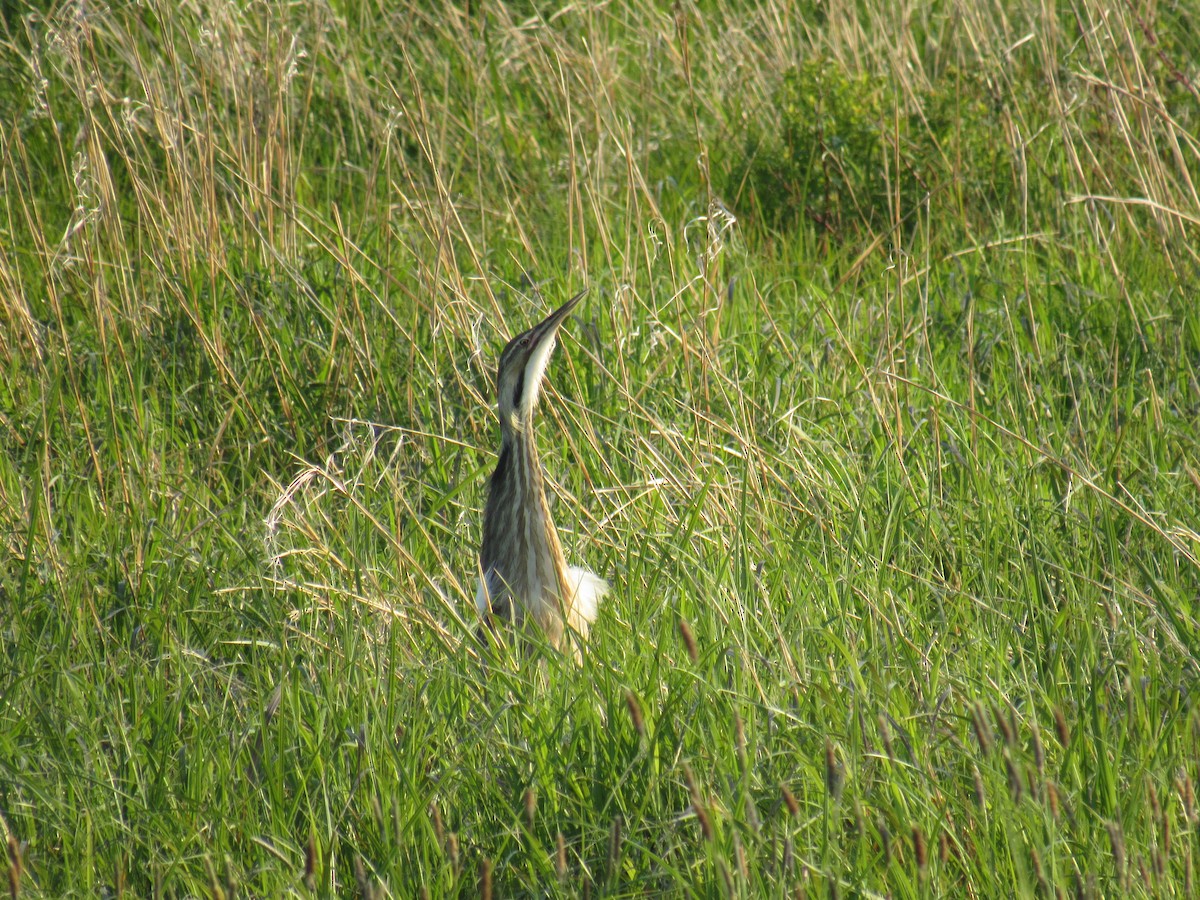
x,y
524,574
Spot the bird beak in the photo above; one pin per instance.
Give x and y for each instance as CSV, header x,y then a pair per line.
x,y
538,343
550,325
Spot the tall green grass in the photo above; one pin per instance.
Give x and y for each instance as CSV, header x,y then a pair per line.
x,y
880,418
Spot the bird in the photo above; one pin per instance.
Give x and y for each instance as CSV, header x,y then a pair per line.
x,y
523,574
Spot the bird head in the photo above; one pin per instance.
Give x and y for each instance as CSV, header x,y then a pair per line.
x,y
523,363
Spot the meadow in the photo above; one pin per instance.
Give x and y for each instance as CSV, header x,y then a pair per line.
x,y
880,417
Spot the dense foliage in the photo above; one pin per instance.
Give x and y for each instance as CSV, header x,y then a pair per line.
x,y
880,418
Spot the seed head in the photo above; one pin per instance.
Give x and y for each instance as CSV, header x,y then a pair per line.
x,y
1116,842
14,866
1036,859
439,831
885,735
698,807
310,863
1188,795
485,879
834,773
614,847
983,734
560,858
980,796
1052,798
530,807
689,640
1039,755
1166,834
1060,727
360,878
790,800
1005,725
1016,786
919,852
635,713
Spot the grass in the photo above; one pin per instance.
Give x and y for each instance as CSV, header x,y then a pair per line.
x,y
880,418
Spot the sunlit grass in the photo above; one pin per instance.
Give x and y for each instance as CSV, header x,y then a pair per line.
x,y
892,463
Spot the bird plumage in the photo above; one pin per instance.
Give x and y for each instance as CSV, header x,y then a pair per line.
x,y
524,574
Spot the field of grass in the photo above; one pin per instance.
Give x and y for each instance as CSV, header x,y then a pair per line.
x,y
881,418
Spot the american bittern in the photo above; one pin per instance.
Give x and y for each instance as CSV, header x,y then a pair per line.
x,y
524,573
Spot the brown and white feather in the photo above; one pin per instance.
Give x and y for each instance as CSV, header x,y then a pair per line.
x,y
524,572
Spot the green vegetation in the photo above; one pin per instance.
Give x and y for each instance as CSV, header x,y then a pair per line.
x,y
881,419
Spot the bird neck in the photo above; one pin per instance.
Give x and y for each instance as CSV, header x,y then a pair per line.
x,y
519,538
